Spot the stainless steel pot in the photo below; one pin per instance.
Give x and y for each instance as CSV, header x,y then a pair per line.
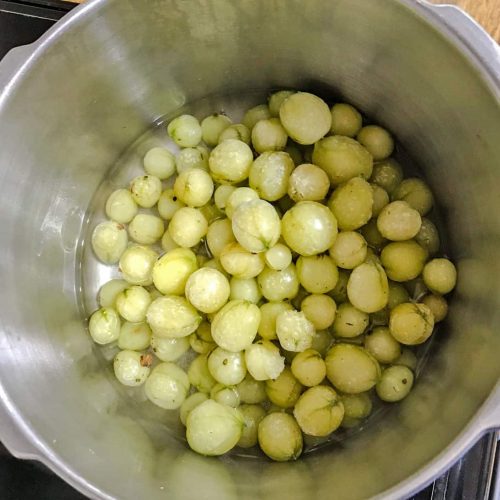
x,y
74,100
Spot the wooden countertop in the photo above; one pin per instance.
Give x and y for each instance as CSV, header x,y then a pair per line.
x,y
486,12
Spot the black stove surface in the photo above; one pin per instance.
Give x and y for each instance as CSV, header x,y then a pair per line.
x,y
473,477
23,22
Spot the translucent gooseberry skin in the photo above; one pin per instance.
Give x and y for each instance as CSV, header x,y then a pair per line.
x,y
213,429
104,326
349,322
395,384
346,120
403,260
120,206
264,361
256,225
159,162
109,241
281,285
440,276
167,386
131,368
349,249
230,161
212,127
278,257
194,187
168,204
270,174
136,264
398,221
368,287
411,323
235,326
173,269
239,262
382,345
319,411
169,349
309,368
187,227
228,368
309,228
146,229
352,204
308,182
305,117
351,369
268,135
207,290
342,158
172,316
146,190
280,437
320,310
295,332
377,141
185,130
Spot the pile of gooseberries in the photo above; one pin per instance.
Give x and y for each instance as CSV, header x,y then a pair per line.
x,y
276,260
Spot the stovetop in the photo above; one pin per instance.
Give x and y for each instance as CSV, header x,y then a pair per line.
x,y
474,477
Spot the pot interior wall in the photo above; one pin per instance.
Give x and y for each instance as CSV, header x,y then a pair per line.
x,y
98,85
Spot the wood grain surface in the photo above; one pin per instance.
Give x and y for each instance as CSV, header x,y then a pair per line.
x,y
486,12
